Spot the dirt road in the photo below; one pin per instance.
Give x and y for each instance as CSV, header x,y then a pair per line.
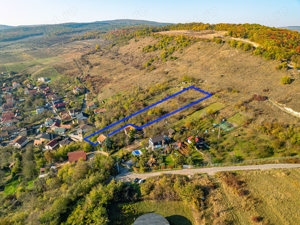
x,y
126,175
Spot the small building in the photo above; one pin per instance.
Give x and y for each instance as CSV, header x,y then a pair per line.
x,y
3,135
51,145
82,116
42,138
84,128
49,122
75,156
43,79
20,142
128,129
171,132
151,219
65,142
60,130
97,111
72,113
101,138
157,142
91,106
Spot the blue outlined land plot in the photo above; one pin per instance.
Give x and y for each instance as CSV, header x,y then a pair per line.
x,y
125,122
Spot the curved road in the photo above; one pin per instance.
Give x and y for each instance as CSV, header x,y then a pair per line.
x,y
126,175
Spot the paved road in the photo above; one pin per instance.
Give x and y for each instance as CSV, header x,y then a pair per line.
x,y
126,175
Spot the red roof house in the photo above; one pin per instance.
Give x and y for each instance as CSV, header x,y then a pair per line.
x,y
75,156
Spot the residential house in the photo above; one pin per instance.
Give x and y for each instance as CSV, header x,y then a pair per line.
x,y
97,111
20,142
9,129
91,106
82,117
49,122
171,132
128,129
157,142
85,128
39,109
65,116
76,136
51,145
78,90
43,138
72,113
65,142
3,135
101,138
43,79
199,142
59,106
75,156
60,130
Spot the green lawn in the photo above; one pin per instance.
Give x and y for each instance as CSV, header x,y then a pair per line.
x,y
177,213
169,160
11,187
201,113
48,72
20,66
237,119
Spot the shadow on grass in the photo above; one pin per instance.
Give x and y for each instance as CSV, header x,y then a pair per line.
x,y
178,220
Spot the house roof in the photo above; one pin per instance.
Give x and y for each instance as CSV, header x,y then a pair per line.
x,y
157,138
20,140
52,143
191,137
129,128
85,127
91,104
66,141
101,138
75,156
4,134
99,110
82,115
46,136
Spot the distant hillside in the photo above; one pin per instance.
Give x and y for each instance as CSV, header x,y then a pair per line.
x,y
296,28
3,27
21,32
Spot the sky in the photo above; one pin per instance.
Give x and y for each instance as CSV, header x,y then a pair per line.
x,y
275,13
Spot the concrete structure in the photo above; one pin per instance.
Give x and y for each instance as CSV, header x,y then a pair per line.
x,y
151,219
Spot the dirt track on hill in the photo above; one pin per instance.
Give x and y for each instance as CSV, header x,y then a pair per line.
x,y
126,175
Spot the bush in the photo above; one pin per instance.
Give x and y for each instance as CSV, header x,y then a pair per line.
x,y
282,66
286,80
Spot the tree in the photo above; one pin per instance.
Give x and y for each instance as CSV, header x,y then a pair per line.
x,y
97,47
29,166
286,80
49,156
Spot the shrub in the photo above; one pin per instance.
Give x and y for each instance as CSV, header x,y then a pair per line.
x,y
286,80
282,66
247,47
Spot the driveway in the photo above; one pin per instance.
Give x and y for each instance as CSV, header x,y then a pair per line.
x,y
126,175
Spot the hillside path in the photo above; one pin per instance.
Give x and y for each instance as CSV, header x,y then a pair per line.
x,y
126,175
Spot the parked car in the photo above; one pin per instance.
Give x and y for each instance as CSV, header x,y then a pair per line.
x,y
141,181
136,180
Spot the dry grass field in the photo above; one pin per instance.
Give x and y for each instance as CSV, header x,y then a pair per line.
x,y
231,73
272,198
